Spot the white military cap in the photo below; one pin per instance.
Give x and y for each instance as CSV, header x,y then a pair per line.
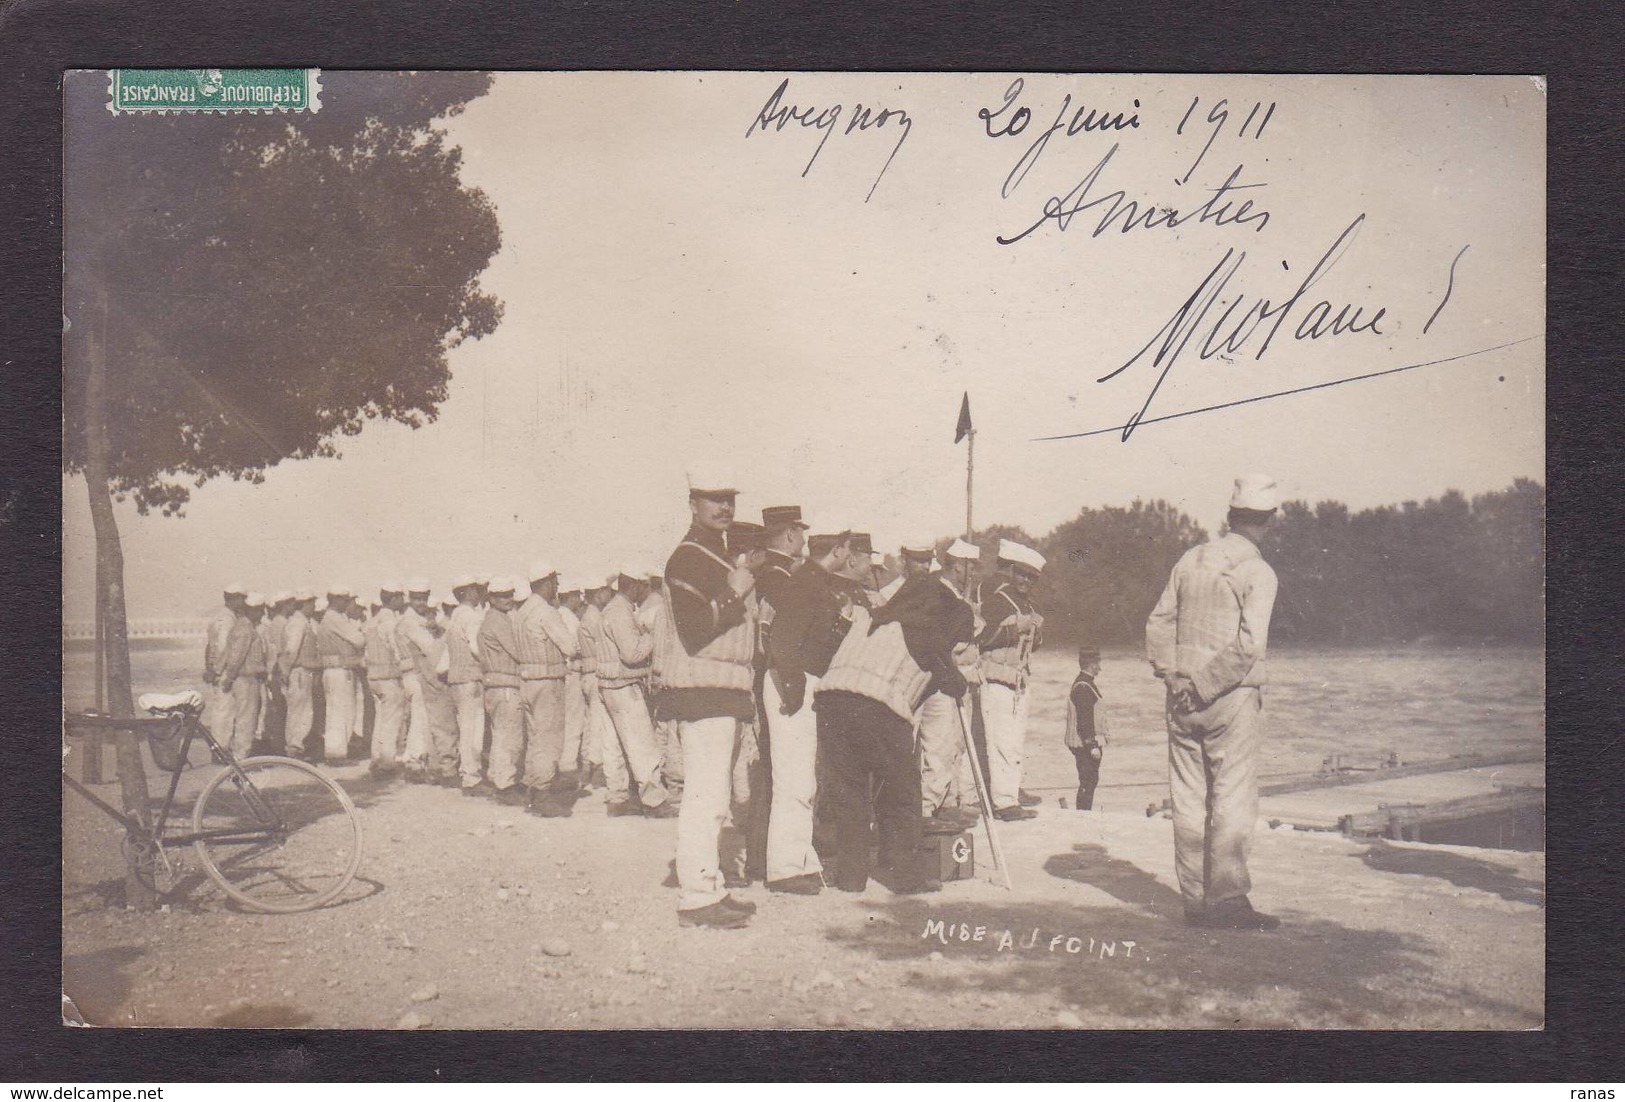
x,y
390,587
1257,492
500,584
339,589
962,549
236,589
919,549
652,572
280,596
482,579
540,569
707,478
255,600
463,581
418,585
306,594
1011,551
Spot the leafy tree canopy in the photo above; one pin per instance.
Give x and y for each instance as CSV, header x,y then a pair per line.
x,y
263,284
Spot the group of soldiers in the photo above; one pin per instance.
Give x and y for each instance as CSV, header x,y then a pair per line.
x,y
806,710
767,685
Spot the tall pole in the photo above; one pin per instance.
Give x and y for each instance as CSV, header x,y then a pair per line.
x,y
970,481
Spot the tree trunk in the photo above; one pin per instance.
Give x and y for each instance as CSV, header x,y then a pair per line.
x,y
110,590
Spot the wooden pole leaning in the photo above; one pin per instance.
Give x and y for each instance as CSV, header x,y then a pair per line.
x,y
986,799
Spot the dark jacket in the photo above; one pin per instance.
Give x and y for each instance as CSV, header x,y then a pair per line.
x,y
807,630
703,604
934,622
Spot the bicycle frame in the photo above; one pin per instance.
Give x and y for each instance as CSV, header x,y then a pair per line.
x,y
191,728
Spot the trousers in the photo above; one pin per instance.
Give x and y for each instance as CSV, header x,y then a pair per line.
x,y
942,750
506,709
671,757
219,707
710,747
544,702
339,687
874,780
358,712
431,737
301,697
1213,774
389,718
244,701
793,742
630,745
575,722
598,728
1088,776
417,721
274,716
1004,711
469,701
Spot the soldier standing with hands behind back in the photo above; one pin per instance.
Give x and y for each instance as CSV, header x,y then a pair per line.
x,y
1206,640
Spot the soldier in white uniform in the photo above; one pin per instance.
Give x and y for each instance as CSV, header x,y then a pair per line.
x,y
342,646
571,774
390,705
1206,640
217,715
242,676
301,668
274,713
467,684
1014,630
546,645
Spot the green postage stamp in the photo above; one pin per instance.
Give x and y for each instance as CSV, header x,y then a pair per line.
x,y
145,91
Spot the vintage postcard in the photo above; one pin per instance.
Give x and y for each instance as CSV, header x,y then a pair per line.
x,y
789,550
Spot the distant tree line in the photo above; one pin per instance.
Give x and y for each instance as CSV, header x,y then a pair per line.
x,y
1446,569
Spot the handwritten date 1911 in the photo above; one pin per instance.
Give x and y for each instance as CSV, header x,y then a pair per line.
x,y
1227,327
776,114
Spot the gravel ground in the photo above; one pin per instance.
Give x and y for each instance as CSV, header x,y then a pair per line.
x,y
471,915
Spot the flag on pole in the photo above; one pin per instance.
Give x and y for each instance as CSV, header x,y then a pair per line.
x,y
963,428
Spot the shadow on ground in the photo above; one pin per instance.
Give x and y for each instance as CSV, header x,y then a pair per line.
x,y
1142,966
1123,880
1459,869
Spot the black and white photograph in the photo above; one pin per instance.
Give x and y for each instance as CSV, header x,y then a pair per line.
x,y
669,550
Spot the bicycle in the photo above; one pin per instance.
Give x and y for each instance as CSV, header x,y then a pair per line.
x,y
274,833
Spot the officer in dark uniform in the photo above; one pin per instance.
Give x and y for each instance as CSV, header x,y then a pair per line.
x,y
784,536
858,574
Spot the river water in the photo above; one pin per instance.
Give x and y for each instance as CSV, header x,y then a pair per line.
x,y
1417,703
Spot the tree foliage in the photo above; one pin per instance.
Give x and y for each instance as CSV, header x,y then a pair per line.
x,y
264,284
1446,569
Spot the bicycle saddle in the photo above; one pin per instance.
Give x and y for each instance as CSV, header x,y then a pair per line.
x,y
171,703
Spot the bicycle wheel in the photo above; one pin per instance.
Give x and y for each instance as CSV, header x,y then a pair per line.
x,y
285,837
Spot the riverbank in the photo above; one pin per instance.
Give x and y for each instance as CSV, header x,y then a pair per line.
x,y
471,915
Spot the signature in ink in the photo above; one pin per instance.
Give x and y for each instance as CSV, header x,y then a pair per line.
x,y
1128,215
1229,326
776,114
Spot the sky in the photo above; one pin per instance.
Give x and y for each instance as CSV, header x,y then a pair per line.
x,y
682,286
